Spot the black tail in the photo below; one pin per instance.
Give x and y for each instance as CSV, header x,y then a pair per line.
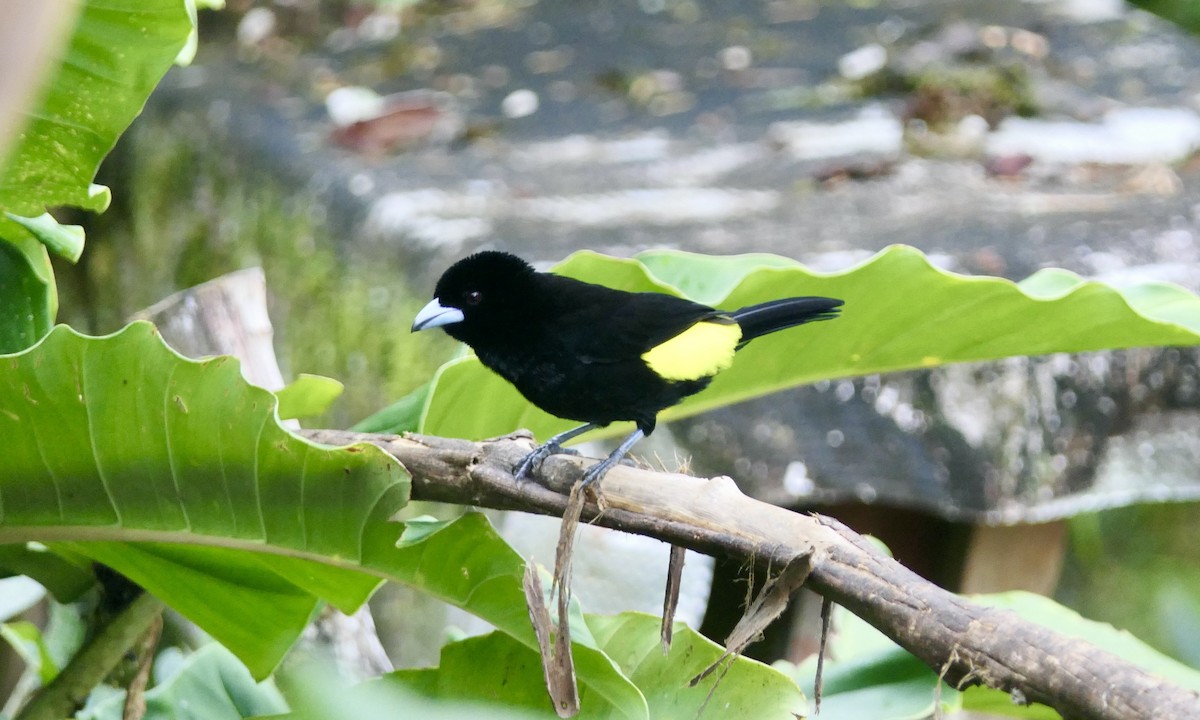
x,y
759,320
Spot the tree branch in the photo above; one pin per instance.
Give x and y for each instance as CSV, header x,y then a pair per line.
x,y
973,644
67,692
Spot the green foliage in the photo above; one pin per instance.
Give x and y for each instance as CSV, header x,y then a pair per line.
x,y
315,696
1185,13
1139,567
66,241
44,652
120,439
307,395
747,690
28,299
495,668
210,684
177,474
26,640
901,313
65,577
118,53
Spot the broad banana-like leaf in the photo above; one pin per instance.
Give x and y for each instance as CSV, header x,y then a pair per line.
x,y
496,667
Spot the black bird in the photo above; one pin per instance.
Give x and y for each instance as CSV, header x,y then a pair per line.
x,y
591,353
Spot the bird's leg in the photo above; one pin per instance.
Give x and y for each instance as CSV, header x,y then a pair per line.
x,y
533,460
594,473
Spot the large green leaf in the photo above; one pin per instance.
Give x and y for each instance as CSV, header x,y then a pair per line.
x,y
119,51
496,669
748,689
117,55
178,474
109,440
901,313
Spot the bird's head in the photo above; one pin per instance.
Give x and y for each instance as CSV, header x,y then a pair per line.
x,y
479,295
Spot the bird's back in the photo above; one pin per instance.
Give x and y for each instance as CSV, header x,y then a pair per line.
x,y
594,354
580,354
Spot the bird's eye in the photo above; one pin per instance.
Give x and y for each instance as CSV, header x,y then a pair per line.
x,y
473,297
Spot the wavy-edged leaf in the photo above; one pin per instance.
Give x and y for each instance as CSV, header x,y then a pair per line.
x,y
119,439
901,313
747,689
119,51
496,669
178,474
467,564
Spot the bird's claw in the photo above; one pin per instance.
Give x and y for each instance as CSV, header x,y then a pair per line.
x,y
533,461
530,463
594,474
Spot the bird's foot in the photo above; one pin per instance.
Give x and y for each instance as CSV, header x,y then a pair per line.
x,y
594,474
532,462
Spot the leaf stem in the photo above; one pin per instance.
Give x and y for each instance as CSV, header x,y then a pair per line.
x,y
93,662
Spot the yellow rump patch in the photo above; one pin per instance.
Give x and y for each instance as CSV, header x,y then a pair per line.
x,y
704,349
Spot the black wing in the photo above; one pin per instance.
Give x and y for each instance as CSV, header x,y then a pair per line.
x,y
603,325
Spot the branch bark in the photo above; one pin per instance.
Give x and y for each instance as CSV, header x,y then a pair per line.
x,y
972,644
